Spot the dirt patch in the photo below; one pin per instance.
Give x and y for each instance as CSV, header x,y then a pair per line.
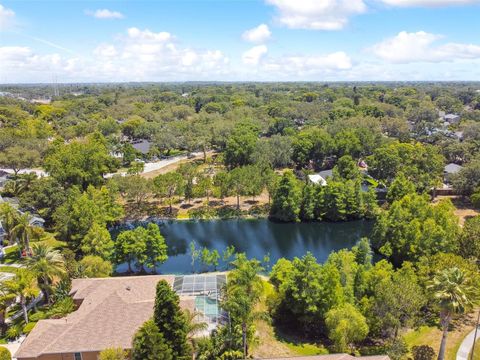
x,y
463,207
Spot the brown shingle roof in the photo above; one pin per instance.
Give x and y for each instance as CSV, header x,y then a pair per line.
x,y
111,310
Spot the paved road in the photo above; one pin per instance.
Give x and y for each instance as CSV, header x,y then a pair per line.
x,y
466,345
152,166
39,172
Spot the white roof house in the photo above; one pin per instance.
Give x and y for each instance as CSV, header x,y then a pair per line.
x,y
452,168
317,179
452,118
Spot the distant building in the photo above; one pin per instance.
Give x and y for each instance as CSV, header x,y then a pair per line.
x,y
321,177
41,101
317,179
452,119
449,170
142,146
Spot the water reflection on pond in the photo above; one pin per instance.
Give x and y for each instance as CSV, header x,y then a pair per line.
x,y
256,238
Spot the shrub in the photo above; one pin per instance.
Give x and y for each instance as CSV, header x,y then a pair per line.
x,y
14,332
397,349
5,354
423,352
61,308
29,327
113,354
39,315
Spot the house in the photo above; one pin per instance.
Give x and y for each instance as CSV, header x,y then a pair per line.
x,y
3,234
142,146
35,219
321,177
452,119
109,312
449,170
317,179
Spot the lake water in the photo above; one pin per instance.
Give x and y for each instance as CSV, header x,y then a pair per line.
x,y
256,238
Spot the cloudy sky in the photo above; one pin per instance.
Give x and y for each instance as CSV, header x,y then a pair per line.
x,y
236,40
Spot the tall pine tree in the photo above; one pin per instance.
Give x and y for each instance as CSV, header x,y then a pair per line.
x,y
170,320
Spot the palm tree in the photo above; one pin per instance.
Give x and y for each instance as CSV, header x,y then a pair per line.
x,y
453,291
23,231
8,217
193,328
24,286
243,293
6,299
47,264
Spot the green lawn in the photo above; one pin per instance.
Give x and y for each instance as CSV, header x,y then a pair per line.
x,y
430,335
476,354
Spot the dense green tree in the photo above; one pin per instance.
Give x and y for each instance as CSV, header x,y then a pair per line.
x,y
44,195
130,246
81,162
170,320
168,185
92,266
413,227
307,291
421,163
18,158
222,184
396,302
347,168
97,241
468,178
135,189
314,145
80,211
150,344
346,326
400,187
286,200
241,145
156,249
240,181
469,240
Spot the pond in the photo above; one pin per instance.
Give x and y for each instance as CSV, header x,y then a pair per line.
x,y
256,238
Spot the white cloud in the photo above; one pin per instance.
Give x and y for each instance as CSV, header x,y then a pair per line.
x,y
428,3
302,65
138,55
420,47
254,55
6,18
258,34
317,14
105,14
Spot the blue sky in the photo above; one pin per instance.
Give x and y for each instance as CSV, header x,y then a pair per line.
x,y
257,40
